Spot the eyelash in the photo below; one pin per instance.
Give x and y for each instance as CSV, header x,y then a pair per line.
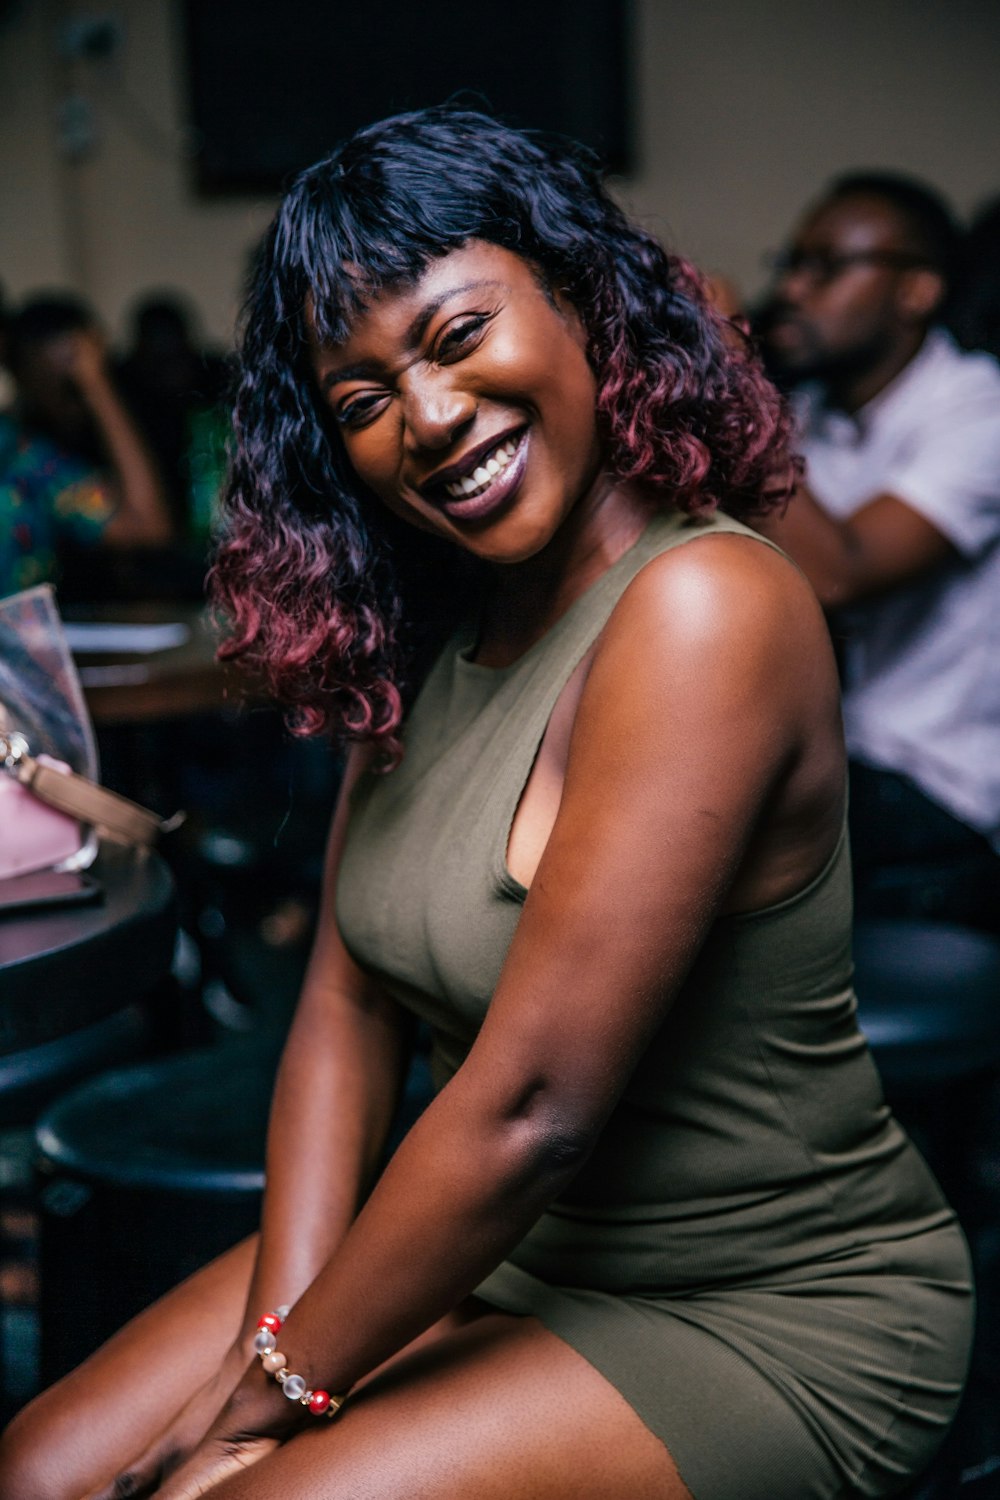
x,y
458,336
355,411
453,341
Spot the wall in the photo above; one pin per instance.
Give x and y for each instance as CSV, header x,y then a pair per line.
x,y
124,219
742,111
747,108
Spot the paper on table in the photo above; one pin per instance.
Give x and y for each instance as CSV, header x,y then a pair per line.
x,y
90,636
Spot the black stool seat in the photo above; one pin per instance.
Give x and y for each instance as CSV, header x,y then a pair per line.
x,y
145,1174
148,1172
928,1001
194,1123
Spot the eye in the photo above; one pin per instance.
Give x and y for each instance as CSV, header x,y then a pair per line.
x,y
461,336
357,410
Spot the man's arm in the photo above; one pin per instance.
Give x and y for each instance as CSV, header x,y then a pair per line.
x,y
141,518
884,544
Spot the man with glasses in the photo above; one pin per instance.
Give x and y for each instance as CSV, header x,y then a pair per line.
x,y
897,524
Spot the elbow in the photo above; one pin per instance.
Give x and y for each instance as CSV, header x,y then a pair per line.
x,y
562,1150
554,1140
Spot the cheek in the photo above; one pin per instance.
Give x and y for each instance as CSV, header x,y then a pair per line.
x,y
373,454
543,364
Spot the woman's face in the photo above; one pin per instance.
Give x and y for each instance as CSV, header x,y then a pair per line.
x,y
467,405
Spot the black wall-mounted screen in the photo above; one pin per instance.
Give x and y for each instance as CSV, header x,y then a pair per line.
x,y
275,84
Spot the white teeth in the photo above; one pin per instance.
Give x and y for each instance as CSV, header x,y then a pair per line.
x,y
484,474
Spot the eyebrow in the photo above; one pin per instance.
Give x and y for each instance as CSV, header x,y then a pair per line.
x,y
367,369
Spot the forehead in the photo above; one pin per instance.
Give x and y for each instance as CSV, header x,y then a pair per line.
x,y
858,221
476,267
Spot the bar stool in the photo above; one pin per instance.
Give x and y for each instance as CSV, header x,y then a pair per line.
x,y
146,1174
929,1002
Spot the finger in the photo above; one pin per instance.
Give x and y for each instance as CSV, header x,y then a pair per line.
x,y
212,1464
140,1478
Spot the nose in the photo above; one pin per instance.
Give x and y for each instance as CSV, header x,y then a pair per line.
x,y
795,287
791,285
436,410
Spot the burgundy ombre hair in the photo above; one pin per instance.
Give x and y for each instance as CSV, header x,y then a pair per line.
x,y
330,600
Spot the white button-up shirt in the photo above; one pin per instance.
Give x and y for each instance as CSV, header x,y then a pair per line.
x,y
922,684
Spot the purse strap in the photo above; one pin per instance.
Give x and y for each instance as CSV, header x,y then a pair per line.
x,y
114,817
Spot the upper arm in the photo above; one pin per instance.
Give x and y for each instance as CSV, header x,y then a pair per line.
x,y
683,729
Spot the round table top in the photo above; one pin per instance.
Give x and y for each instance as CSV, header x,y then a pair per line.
x,y
62,968
131,684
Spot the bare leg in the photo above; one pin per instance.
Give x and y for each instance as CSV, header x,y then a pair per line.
x,y
87,1426
497,1409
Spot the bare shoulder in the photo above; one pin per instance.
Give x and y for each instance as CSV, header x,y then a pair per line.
x,y
724,598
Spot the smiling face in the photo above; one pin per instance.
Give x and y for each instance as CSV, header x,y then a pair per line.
x,y
467,405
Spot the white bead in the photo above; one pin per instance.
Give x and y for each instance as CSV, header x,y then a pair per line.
x,y
294,1387
264,1341
282,1311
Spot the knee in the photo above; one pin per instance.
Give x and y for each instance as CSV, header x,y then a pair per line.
x,y
29,1464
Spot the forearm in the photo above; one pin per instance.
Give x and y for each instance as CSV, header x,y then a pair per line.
x,y
884,543
333,1105
464,1187
827,551
142,516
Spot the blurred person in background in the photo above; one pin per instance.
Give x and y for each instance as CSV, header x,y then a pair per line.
x,y
973,314
897,524
74,471
174,389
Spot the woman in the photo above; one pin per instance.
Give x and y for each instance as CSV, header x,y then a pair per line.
x,y
656,1235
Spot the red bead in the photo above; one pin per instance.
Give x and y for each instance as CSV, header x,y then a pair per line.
x,y
271,1321
318,1402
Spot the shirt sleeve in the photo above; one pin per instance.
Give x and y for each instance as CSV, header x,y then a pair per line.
x,y
951,474
81,508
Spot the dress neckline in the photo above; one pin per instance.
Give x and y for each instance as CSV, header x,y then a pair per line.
x,y
468,631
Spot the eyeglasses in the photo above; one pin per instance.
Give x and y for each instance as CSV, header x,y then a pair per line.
x,y
823,266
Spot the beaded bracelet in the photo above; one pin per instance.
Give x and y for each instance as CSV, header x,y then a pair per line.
x,y
265,1343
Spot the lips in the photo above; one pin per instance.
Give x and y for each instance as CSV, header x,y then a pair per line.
x,y
464,468
481,480
784,326
490,494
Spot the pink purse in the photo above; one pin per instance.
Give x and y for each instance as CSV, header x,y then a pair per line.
x,y
45,809
52,812
34,836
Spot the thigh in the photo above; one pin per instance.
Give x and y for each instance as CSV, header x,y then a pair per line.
x,y
89,1424
497,1409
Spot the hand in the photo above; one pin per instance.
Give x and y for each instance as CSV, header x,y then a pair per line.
x,y
216,1459
86,359
181,1436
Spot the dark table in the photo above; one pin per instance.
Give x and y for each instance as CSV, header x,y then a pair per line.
x,y
77,986
67,972
134,687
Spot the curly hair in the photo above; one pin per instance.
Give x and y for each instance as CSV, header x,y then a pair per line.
x,y
327,601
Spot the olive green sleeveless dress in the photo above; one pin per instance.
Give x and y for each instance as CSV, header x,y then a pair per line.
x,y
754,1256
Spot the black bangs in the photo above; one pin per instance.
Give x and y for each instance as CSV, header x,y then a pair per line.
x,y
402,193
